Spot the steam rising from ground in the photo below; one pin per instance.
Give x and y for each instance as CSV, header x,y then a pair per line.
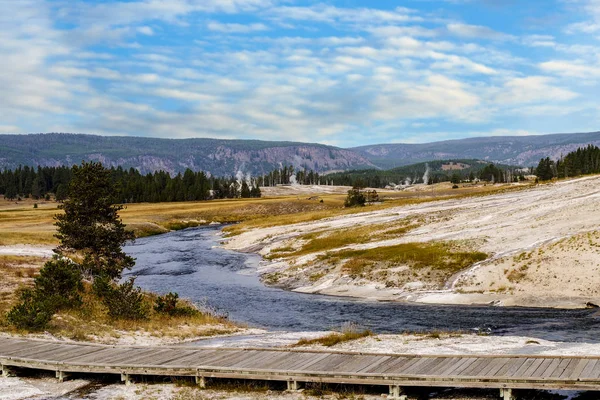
x,y
426,175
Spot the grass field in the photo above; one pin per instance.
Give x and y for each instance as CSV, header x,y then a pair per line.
x,y
21,223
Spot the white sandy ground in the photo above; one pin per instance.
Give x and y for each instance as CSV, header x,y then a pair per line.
x,y
45,387
26,250
502,225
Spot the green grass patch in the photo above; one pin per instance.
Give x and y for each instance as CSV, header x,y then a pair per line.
x,y
335,338
334,239
438,256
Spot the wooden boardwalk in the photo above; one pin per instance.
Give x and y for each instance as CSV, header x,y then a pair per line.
x,y
296,367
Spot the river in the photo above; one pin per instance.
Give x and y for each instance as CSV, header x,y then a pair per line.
x,y
191,263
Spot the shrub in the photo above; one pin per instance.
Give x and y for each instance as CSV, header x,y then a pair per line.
x,y
32,313
125,301
60,283
102,286
58,286
355,198
169,304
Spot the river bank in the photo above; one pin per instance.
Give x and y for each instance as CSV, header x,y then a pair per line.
x,y
530,236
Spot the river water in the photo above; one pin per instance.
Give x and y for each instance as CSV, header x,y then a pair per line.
x,y
191,263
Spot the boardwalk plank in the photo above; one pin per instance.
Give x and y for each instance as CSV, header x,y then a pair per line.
x,y
401,365
542,367
444,364
191,359
233,359
518,372
564,363
569,369
460,365
551,368
307,365
474,368
32,351
533,367
524,367
412,369
595,374
586,373
578,369
375,365
398,366
258,358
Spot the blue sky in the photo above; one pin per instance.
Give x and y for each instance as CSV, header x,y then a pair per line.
x,y
344,73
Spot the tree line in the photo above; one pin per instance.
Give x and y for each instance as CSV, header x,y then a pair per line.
x,y
130,186
414,174
289,175
583,161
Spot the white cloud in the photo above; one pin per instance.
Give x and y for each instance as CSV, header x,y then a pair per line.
x,y
414,31
344,71
533,89
331,14
9,129
145,30
571,69
437,96
183,95
476,32
236,28
539,41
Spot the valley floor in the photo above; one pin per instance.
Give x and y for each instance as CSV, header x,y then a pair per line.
x,y
542,242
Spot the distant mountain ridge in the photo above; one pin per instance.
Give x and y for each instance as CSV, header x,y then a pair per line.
x,y
216,156
525,151
226,157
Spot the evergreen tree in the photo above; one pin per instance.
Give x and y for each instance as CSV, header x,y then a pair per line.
x,y
355,198
245,192
61,192
11,192
90,226
545,169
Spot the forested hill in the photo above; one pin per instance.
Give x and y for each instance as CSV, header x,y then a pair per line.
x,y
525,151
218,157
227,157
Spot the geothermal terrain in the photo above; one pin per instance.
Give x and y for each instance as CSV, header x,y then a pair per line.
x,y
542,248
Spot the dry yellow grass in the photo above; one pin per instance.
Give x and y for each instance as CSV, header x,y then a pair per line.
x,y
16,271
20,223
334,239
91,322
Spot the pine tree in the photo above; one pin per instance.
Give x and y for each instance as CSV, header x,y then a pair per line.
x,y
90,227
245,192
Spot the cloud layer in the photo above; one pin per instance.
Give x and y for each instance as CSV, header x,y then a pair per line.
x,y
298,70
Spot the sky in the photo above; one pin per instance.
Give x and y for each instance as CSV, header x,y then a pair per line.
x,y
345,73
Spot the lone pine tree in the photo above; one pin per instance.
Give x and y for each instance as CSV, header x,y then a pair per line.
x,y
90,228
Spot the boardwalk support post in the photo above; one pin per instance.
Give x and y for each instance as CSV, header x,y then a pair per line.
x,y
127,379
62,376
201,382
506,394
7,372
293,386
396,393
